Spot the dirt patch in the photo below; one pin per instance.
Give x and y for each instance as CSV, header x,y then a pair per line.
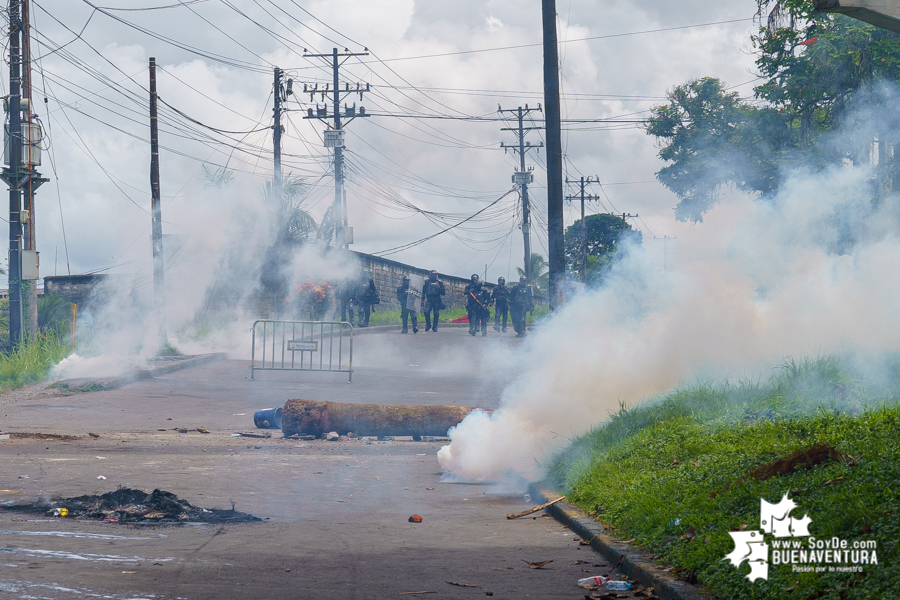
x,y
801,459
127,505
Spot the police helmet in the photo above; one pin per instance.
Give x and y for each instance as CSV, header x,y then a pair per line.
x,y
433,275
523,279
474,277
501,281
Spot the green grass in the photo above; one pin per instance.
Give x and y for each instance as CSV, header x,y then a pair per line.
x,y
31,362
626,473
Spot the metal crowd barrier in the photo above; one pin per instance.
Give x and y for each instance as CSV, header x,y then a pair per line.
x,y
302,346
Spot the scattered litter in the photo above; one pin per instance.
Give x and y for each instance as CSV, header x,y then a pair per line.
x,y
93,435
423,454
674,522
100,477
4,436
534,509
203,430
837,480
397,438
100,457
415,519
593,582
129,572
12,491
168,418
417,593
435,438
332,436
618,586
238,414
161,430
429,489
23,476
127,505
298,436
252,435
466,585
60,512
536,565
268,418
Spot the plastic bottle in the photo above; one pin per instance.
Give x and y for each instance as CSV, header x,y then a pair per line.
x,y
595,581
617,586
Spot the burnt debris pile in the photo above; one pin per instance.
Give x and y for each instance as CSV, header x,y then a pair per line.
x,y
127,505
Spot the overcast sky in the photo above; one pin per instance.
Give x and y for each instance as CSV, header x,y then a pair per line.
x,y
428,58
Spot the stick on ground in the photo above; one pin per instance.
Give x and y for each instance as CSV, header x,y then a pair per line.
x,y
534,509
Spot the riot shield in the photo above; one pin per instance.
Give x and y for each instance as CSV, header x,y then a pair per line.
x,y
414,294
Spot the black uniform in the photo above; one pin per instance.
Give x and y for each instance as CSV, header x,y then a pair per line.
x,y
500,300
348,299
520,302
475,305
434,289
366,296
406,313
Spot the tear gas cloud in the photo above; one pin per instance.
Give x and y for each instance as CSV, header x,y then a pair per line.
x,y
806,272
213,280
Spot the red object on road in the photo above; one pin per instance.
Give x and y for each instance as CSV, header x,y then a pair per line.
x,y
415,519
462,319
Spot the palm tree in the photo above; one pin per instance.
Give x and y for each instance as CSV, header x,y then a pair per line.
x,y
540,276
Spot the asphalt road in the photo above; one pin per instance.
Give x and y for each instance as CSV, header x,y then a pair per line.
x,y
335,513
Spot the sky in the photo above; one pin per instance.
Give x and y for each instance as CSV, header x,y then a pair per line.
x,y
427,60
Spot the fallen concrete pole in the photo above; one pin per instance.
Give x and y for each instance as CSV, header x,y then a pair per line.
x,y
309,417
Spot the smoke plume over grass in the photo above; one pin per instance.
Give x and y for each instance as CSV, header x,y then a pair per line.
x,y
805,272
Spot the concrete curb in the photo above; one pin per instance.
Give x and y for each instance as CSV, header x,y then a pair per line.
x,y
86,384
634,564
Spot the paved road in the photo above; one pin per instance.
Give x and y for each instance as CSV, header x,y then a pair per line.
x,y
336,513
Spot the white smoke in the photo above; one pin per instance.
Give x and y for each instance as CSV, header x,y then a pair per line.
x,y
808,272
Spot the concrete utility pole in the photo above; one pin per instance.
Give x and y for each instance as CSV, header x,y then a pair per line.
x,y
29,287
334,136
523,177
555,234
881,13
13,175
280,95
159,286
665,240
584,183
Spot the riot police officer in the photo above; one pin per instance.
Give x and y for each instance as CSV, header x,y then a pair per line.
x,y
348,299
475,306
500,300
520,302
434,289
366,297
406,313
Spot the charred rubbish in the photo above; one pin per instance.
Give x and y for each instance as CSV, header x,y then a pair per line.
x,y
127,505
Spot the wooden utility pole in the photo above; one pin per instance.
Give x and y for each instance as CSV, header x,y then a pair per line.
x,y
555,233
159,285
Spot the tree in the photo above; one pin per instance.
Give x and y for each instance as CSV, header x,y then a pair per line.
x,y
540,274
817,68
603,235
712,138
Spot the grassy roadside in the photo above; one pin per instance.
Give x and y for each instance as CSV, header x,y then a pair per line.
x,y
674,475
31,362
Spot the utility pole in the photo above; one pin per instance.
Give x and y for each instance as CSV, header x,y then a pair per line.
x,y
523,177
555,233
584,183
665,240
29,289
334,135
280,95
159,287
13,175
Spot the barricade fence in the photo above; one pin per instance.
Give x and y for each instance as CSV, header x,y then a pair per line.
x,y
301,346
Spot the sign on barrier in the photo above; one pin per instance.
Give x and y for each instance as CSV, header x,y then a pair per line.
x,y
301,346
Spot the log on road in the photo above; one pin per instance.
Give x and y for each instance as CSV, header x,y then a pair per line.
x,y
309,417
